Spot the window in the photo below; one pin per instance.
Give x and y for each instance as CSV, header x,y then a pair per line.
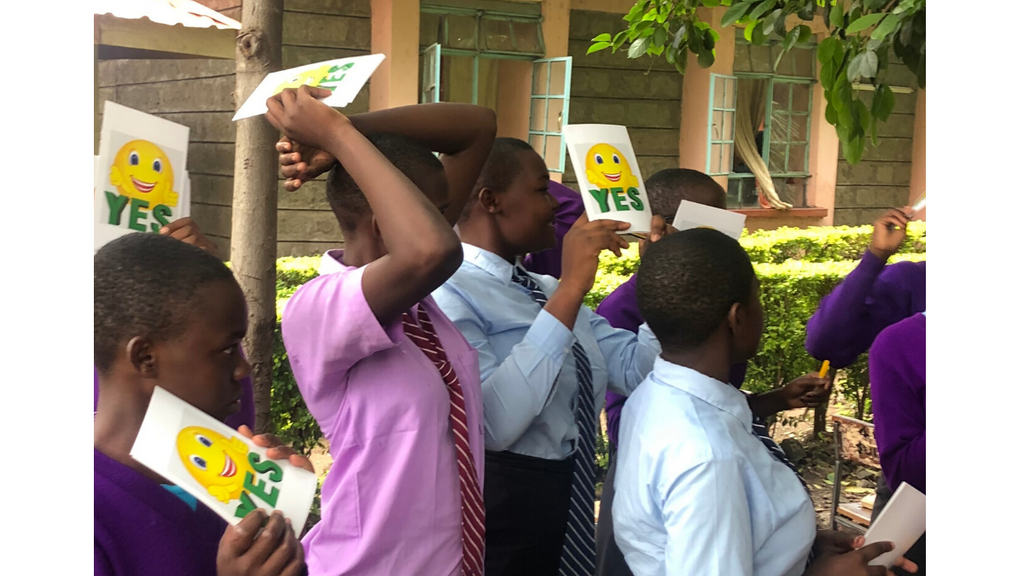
x,y
490,53
761,115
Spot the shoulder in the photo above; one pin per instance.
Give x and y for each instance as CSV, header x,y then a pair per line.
x,y
670,422
900,334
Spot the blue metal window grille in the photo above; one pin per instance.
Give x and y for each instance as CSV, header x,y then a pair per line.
x,y
721,125
549,109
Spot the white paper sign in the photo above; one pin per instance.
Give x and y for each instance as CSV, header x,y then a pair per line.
x,y
693,215
344,77
901,522
608,174
140,181
220,467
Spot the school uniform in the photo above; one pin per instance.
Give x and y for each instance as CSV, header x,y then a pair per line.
x,y
543,389
399,498
697,492
245,415
897,368
142,527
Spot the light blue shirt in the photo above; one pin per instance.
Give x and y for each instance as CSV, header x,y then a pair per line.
x,y
696,493
526,362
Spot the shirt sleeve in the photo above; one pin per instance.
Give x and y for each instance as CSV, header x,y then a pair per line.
x,y
328,327
862,305
518,388
899,414
101,564
707,519
629,357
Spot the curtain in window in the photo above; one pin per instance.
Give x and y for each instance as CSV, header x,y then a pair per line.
x,y
750,105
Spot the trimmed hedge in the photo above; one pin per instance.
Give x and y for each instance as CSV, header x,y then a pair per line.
x,y
790,290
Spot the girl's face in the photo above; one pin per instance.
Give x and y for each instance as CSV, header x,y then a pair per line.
x,y
528,209
204,365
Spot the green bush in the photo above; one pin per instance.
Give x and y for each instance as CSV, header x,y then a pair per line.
x,y
822,244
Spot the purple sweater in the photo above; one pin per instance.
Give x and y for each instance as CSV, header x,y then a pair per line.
x,y
246,415
873,297
621,310
142,528
897,364
570,207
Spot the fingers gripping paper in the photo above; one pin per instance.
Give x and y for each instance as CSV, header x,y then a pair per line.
x,y
608,174
343,77
221,468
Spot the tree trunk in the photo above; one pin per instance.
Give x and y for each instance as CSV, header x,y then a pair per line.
x,y
821,412
254,204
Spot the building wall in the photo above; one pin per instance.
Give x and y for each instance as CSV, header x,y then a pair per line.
x,y
643,94
882,178
199,93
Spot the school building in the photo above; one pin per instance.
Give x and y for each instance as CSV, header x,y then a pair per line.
x,y
527,60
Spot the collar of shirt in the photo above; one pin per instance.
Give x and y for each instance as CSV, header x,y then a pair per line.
x,y
330,262
721,395
489,262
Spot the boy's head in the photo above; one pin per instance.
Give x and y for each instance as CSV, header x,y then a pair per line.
x,y
697,286
668,187
169,314
512,192
418,164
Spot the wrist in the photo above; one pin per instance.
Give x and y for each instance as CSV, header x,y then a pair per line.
x,y
881,254
574,288
339,135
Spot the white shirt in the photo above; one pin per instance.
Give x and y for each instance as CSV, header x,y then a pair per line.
x,y
696,493
527,367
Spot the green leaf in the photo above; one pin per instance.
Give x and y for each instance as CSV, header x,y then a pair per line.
x,y
714,34
602,38
639,47
705,59
761,10
863,117
709,42
670,55
828,75
804,34
679,36
760,37
650,16
749,31
863,65
733,14
826,49
680,63
831,116
888,26
836,16
883,102
711,3
864,22
769,21
789,41
598,46
696,41
874,131
634,12
660,36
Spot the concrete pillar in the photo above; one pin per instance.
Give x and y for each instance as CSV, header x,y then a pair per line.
x,y
395,32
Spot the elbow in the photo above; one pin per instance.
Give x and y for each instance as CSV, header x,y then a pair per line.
x,y
437,257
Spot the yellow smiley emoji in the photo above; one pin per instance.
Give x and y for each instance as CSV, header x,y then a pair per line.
x,y
142,170
607,168
310,78
219,464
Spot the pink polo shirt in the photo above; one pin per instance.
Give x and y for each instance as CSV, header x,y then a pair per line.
x,y
390,504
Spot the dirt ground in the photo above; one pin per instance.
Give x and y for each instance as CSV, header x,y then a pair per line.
x,y
816,467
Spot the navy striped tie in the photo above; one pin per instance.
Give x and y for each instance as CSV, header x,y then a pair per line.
x,y
578,550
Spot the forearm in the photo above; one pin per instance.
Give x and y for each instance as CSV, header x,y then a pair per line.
x,y
766,404
835,331
565,303
444,127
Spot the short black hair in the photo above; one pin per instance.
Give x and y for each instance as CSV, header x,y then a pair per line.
x,y
411,158
666,188
502,166
144,285
688,281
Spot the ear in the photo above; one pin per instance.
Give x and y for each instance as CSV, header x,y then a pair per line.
x,y
142,356
736,318
490,200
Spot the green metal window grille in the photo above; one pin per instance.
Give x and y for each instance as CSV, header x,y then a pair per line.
x,y
549,109
721,125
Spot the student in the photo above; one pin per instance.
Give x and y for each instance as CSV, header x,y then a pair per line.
x,y
665,190
698,493
570,207
392,383
168,314
871,297
545,361
186,230
897,369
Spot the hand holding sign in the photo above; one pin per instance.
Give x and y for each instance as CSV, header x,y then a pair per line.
x,y
303,118
582,245
247,550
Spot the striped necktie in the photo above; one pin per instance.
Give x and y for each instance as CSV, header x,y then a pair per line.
x,y
760,429
578,551
424,336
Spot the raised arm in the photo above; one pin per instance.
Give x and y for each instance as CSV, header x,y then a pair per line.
x,y
461,133
423,250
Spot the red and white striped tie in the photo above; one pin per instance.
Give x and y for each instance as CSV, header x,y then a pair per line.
x,y
424,336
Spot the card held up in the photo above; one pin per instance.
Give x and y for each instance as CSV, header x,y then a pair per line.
x,y
693,215
608,174
344,77
217,465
